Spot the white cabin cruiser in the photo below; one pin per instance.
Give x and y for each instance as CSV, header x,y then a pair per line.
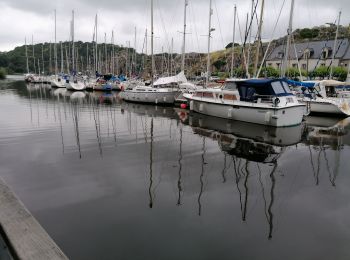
x,y
58,81
259,101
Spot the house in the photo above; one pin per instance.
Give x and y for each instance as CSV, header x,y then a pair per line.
x,y
311,55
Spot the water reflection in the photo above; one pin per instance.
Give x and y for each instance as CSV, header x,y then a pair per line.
x,y
154,169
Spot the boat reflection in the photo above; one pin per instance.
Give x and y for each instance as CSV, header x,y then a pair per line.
x,y
326,138
254,150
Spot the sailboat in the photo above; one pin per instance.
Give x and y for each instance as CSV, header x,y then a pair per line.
x,y
163,91
75,81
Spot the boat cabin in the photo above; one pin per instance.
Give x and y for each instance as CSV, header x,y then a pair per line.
x,y
251,90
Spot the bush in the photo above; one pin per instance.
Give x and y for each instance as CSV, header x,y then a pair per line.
x,y
2,73
269,72
340,73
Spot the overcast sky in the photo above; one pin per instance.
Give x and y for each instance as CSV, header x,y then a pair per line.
x,y
24,18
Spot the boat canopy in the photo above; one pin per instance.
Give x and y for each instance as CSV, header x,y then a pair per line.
x,y
300,84
249,89
179,78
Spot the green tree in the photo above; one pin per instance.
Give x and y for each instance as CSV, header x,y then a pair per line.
x,y
2,73
340,73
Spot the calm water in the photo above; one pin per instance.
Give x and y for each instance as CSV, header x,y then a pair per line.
x,y
112,180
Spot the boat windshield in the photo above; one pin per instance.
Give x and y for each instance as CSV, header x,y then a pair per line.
x,y
230,86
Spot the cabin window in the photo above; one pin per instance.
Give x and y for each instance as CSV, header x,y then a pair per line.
x,y
286,87
231,86
277,87
304,66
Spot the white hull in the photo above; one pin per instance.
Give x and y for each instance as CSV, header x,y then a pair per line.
x,y
328,108
75,86
272,116
161,97
57,84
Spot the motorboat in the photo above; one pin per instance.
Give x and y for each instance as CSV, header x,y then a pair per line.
x,y
260,101
58,81
325,97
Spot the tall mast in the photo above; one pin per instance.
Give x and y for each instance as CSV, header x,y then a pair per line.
x,y
55,46
62,58
73,51
27,63
184,39
135,61
152,35
96,51
171,56
250,35
106,69
33,54
259,39
286,54
209,36
233,39
334,47
42,57
113,54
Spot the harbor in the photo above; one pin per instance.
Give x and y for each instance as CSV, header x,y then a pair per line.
x,y
111,179
175,130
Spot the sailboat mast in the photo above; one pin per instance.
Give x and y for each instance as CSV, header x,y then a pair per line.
x,y
233,39
106,66
33,54
209,36
96,51
73,51
184,39
259,39
250,36
113,54
62,69
27,63
286,54
334,47
55,46
152,35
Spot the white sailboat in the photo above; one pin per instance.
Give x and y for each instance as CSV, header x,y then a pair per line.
x,y
163,91
75,82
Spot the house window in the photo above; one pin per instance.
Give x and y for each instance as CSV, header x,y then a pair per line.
x,y
304,66
280,55
278,65
294,65
269,64
307,53
323,64
326,52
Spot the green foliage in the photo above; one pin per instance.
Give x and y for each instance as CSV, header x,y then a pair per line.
x,y
2,73
320,72
223,75
340,73
230,45
269,72
307,33
218,64
294,73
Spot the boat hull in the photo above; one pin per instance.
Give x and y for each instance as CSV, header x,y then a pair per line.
x,y
327,108
272,116
75,86
150,97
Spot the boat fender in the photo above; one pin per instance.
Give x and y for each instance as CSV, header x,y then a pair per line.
x,y
164,99
191,105
267,117
201,107
229,114
156,100
276,101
